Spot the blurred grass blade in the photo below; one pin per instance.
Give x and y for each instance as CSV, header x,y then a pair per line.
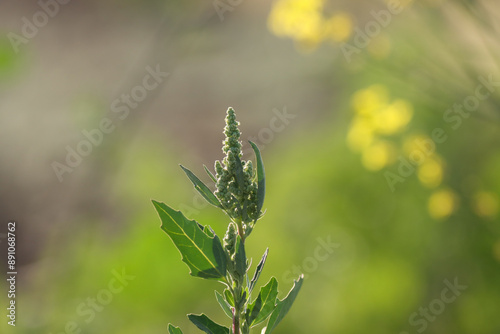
x,y
258,270
203,254
261,177
202,188
224,304
174,330
284,306
265,303
207,325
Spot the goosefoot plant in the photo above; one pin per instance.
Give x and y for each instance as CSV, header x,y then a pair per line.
x,y
239,192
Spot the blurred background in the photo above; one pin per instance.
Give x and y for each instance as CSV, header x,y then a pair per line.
x,y
378,122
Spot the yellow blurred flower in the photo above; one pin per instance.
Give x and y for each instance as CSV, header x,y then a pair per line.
x,y
339,27
486,204
412,143
377,117
378,155
430,172
360,134
393,118
442,204
298,19
367,101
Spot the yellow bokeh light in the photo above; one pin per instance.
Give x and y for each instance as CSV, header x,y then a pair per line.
x,y
486,204
367,101
339,27
393,118
442,204
413,143
299,19
360,135
430,173
378,155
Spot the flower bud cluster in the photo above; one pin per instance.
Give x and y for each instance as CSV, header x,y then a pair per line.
x,y
230,239
240,202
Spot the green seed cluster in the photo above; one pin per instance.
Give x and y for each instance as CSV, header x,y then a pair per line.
x,y
230,239
239,201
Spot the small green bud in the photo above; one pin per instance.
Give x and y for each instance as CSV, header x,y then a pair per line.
x,y
230,238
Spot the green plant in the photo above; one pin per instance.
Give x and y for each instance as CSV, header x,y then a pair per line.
x,y
240,191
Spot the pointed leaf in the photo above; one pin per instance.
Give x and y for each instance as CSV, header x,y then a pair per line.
x,y
249,263
243,299
265,303
173,330
202,253
202,188
229,297
261,177
224,305
240,180
212,176
258,270
284,306
240,257
207,325
208,231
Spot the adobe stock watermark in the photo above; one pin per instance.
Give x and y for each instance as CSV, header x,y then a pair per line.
x,y
121,108
453,117
425,315
310,264
31,26
381,20
87,310
222,6
266,135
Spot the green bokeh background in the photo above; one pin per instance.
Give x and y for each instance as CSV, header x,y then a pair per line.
x,y
392,257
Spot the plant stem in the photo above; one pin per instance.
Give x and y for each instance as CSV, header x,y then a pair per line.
x,y
240,230
236,321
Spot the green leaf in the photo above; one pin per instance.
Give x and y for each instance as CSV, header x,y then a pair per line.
x,y
258,270
265,303
229,297
207,325
243,299
240,258
224,304
284,306
261,177
208,231
202,188
174,330
202,253
212,176
240,181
